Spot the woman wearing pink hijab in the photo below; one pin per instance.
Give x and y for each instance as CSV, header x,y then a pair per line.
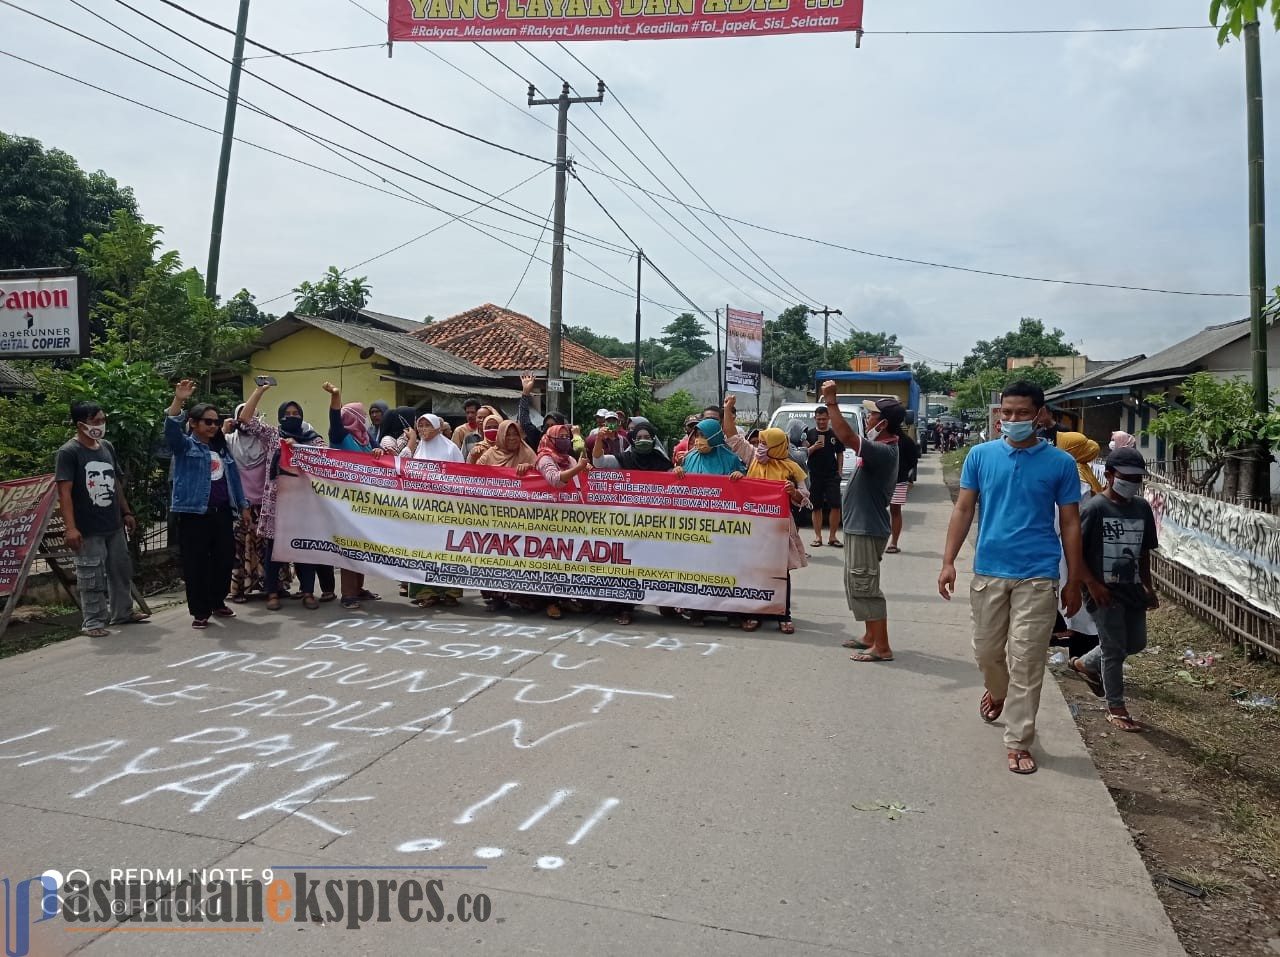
x,y
1122,440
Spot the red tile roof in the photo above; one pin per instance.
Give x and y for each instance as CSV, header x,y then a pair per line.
x,y
501,340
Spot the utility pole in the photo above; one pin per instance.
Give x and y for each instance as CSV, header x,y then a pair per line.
x,y
562,104
639,261
826,315
224,160
1257,254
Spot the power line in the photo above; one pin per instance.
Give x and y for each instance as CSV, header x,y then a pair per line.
x,y
358,46
293,159
351,86
916,262
530,217
533,252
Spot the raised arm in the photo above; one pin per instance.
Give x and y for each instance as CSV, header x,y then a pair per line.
x,y
730,421
250,409
843,430
174,437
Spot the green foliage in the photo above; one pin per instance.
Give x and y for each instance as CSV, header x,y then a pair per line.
x,y
975,391
332,292
1214,420
34,425
686,336
1029,339
932,381
656,359
48,204
668,415
241,310
791,354
595,390
1230,16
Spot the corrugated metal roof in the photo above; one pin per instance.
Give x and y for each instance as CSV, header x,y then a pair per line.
x,y
1182,356
13,379
1096,377
447,388
403,349
398,323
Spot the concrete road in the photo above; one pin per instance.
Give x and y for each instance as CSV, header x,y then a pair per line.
x,y
654,789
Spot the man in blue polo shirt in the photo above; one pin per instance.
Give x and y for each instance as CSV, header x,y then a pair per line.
x,y
1021,481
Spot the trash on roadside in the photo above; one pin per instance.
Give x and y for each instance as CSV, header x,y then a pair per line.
x,y
1189,678
1058,658
1204,662
893,809
1257,702
1075,709
1191,890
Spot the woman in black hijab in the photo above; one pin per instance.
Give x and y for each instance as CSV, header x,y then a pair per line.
x,y
645,453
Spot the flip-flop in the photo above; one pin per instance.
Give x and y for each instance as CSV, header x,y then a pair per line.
x,y
97,633
1016,758
869,656
836,544
892,550
1093,681
817,544
855,644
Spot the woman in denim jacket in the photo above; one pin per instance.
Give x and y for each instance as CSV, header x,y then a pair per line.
x,y
207,497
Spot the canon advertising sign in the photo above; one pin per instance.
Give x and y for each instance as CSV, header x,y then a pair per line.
x,y
43,316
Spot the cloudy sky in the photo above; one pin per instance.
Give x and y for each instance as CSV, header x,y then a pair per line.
x,y
1104,157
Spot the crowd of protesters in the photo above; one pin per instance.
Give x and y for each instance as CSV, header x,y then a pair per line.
x,y
1063,547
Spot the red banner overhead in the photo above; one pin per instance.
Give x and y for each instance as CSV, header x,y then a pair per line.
x,y
532,20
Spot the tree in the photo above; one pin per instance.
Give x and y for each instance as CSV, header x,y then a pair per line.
x,y
791,354
610,347
1029,339
595,390
332,292
240,310
668,415
1230,16
1214,425
932,381
975,391
685,334
48,204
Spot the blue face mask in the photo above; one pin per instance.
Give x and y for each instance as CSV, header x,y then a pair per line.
x,y
1017,431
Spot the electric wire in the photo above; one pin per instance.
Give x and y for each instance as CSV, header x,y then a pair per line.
x,y
527,265
358,46
352,86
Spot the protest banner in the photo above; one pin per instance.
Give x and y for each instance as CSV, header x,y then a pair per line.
x,y
699,541
1235,546
744,350
25,508
526,21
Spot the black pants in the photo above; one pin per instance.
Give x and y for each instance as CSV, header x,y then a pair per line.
x,y
208,553
307,578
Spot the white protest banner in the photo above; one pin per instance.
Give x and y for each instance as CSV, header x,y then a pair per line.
x,y
744,350
698,541
1236,546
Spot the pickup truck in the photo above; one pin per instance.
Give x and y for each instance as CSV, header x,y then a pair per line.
x,y
803,413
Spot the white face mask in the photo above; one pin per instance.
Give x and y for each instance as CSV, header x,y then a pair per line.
x,y
1112,446
1126,488
95,432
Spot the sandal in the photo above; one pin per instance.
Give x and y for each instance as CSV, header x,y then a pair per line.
x,y
787,627
200,623
1018,758
816,544
366,595
430,601
870,655
224,612
97,633
1125,722
836,543
328,596
989,709
622,618
892,550
309,602
351,604
135,618
750,624
1088,677
855,644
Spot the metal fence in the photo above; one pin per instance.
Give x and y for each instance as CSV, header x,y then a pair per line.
x,y
1188,475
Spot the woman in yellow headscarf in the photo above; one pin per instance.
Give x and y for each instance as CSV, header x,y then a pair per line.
x,y
770,459
1084,450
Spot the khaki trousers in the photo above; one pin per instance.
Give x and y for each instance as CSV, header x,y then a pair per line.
x,y
1012,624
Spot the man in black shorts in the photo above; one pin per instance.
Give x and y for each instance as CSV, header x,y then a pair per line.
x,y
826,462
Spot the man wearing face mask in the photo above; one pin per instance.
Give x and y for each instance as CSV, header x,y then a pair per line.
x,y
1022,482
1119,534
865,516
96,514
